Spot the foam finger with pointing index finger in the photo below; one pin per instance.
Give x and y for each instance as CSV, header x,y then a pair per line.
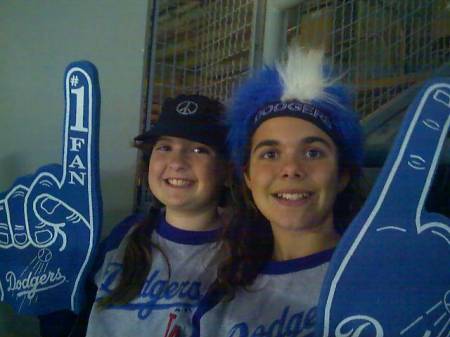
x,y
390,274
75,182
50,220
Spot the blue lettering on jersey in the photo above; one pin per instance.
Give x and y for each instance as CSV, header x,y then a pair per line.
x,y
156,294
286,325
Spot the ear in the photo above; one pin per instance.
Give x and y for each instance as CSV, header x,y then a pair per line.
x,y
247,179
344,180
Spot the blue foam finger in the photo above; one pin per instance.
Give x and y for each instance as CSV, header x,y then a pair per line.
x,y
390,274
50,221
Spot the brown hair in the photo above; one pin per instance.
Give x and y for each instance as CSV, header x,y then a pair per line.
x,y
137,259
137,262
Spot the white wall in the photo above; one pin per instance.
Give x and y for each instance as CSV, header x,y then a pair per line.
x,y
38,39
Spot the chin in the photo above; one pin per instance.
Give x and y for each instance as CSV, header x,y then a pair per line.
x,y
285,224
294,225
175,203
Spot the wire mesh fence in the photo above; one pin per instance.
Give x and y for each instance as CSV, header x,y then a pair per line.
x,y
201,47
382,46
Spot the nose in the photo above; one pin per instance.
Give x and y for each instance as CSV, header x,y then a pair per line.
x,y
293,168
177,161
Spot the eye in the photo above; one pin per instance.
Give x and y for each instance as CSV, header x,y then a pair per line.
x,y
269,154
162,148
314,154
201,150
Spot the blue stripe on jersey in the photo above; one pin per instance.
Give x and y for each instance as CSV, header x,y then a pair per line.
x,y
113,240
208,301
186,237
291,266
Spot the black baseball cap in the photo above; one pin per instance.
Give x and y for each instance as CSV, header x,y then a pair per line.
x,y
194,117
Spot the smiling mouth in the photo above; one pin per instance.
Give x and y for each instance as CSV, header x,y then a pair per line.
x,y
292,196
177,182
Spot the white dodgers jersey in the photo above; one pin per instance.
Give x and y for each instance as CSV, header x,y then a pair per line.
x,y
281,302
167,300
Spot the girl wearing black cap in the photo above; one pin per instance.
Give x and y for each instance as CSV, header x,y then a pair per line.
x,y
297,148
156,268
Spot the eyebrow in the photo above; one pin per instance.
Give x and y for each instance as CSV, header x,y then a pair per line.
x,y
266,142
313,139
164,138
306,140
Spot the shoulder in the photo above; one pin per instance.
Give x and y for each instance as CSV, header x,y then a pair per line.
x,y
116,236
121,229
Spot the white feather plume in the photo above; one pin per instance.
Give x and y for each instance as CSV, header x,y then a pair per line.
x,y
302,75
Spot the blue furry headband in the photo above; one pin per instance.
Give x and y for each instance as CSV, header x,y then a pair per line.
x,y
301,88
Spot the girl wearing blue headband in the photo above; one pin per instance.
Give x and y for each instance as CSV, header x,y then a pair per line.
x,y
296,146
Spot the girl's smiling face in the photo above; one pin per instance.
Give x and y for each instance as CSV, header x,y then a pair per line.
x,y
293,175
185,176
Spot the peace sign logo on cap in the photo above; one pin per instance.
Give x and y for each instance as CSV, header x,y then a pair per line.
x,y
187,108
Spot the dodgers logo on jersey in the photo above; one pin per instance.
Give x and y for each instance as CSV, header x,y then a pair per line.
x,y
158,293
289,324
390,274
50,220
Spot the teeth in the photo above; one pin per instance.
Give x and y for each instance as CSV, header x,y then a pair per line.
x,y
293,196
178,182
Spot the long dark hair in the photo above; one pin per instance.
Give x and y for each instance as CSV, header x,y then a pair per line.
x,y
137,261
249,239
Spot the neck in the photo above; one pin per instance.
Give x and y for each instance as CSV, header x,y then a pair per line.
x,y
194,221
295,244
